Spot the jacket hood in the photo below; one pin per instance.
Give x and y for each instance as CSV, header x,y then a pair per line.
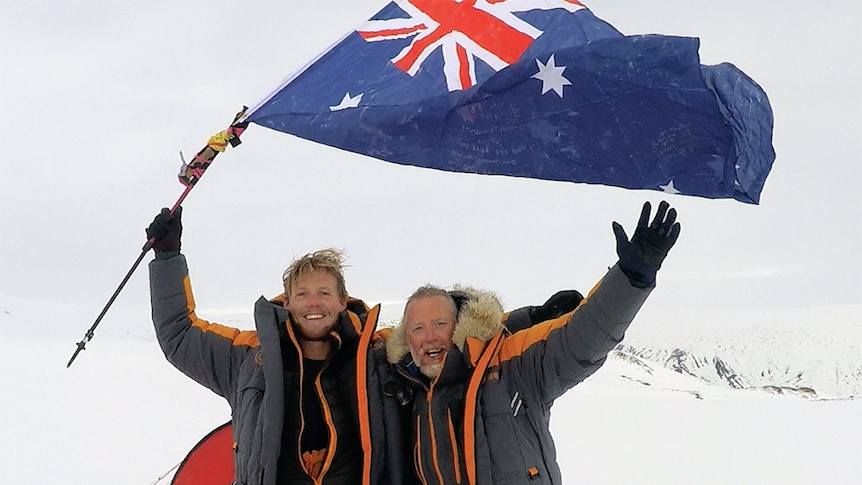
x,y
480,316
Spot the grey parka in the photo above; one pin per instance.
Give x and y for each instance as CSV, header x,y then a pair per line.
x,y
246,368
485,419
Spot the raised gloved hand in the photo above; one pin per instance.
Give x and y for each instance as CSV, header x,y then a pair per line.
x,y
559,304
165,231
641,258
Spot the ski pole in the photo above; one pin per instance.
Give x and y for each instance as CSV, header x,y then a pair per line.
x,y
189,176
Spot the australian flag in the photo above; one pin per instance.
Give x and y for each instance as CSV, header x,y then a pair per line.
x,y
532,88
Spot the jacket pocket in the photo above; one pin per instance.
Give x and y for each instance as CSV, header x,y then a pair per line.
x,y
513,446
247,423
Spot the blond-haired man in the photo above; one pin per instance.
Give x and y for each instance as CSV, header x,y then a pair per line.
x,y
303,388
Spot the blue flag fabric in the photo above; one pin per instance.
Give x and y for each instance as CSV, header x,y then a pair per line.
x,y
532,88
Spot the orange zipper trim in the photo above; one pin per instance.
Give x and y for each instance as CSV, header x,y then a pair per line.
x,y
470,407
433,436
455,459
362,388
417,454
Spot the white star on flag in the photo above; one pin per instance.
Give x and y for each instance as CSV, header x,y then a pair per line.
x,y
551,76
347,102
669,188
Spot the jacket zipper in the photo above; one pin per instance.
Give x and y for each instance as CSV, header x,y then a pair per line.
x,y
417,453
456,461
327,415
365,336
433,436
301,413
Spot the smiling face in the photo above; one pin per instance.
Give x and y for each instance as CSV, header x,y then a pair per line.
x,y
314,304
429,323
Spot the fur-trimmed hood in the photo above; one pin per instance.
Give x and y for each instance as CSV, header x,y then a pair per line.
x,y
480,316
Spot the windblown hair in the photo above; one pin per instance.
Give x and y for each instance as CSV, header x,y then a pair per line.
x,y
428,291
329,259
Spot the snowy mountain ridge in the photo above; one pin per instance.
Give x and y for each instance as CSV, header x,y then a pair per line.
x,y
812,353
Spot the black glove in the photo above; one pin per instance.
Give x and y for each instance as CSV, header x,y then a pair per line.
x,y
559,304
165,231
641,258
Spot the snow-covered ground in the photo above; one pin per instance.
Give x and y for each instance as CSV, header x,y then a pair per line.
x,y
122,415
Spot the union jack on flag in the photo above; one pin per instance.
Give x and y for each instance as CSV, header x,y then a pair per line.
x,y
532,88
465,32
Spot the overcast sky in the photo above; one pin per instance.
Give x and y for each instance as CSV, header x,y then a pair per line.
x,y
98,98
